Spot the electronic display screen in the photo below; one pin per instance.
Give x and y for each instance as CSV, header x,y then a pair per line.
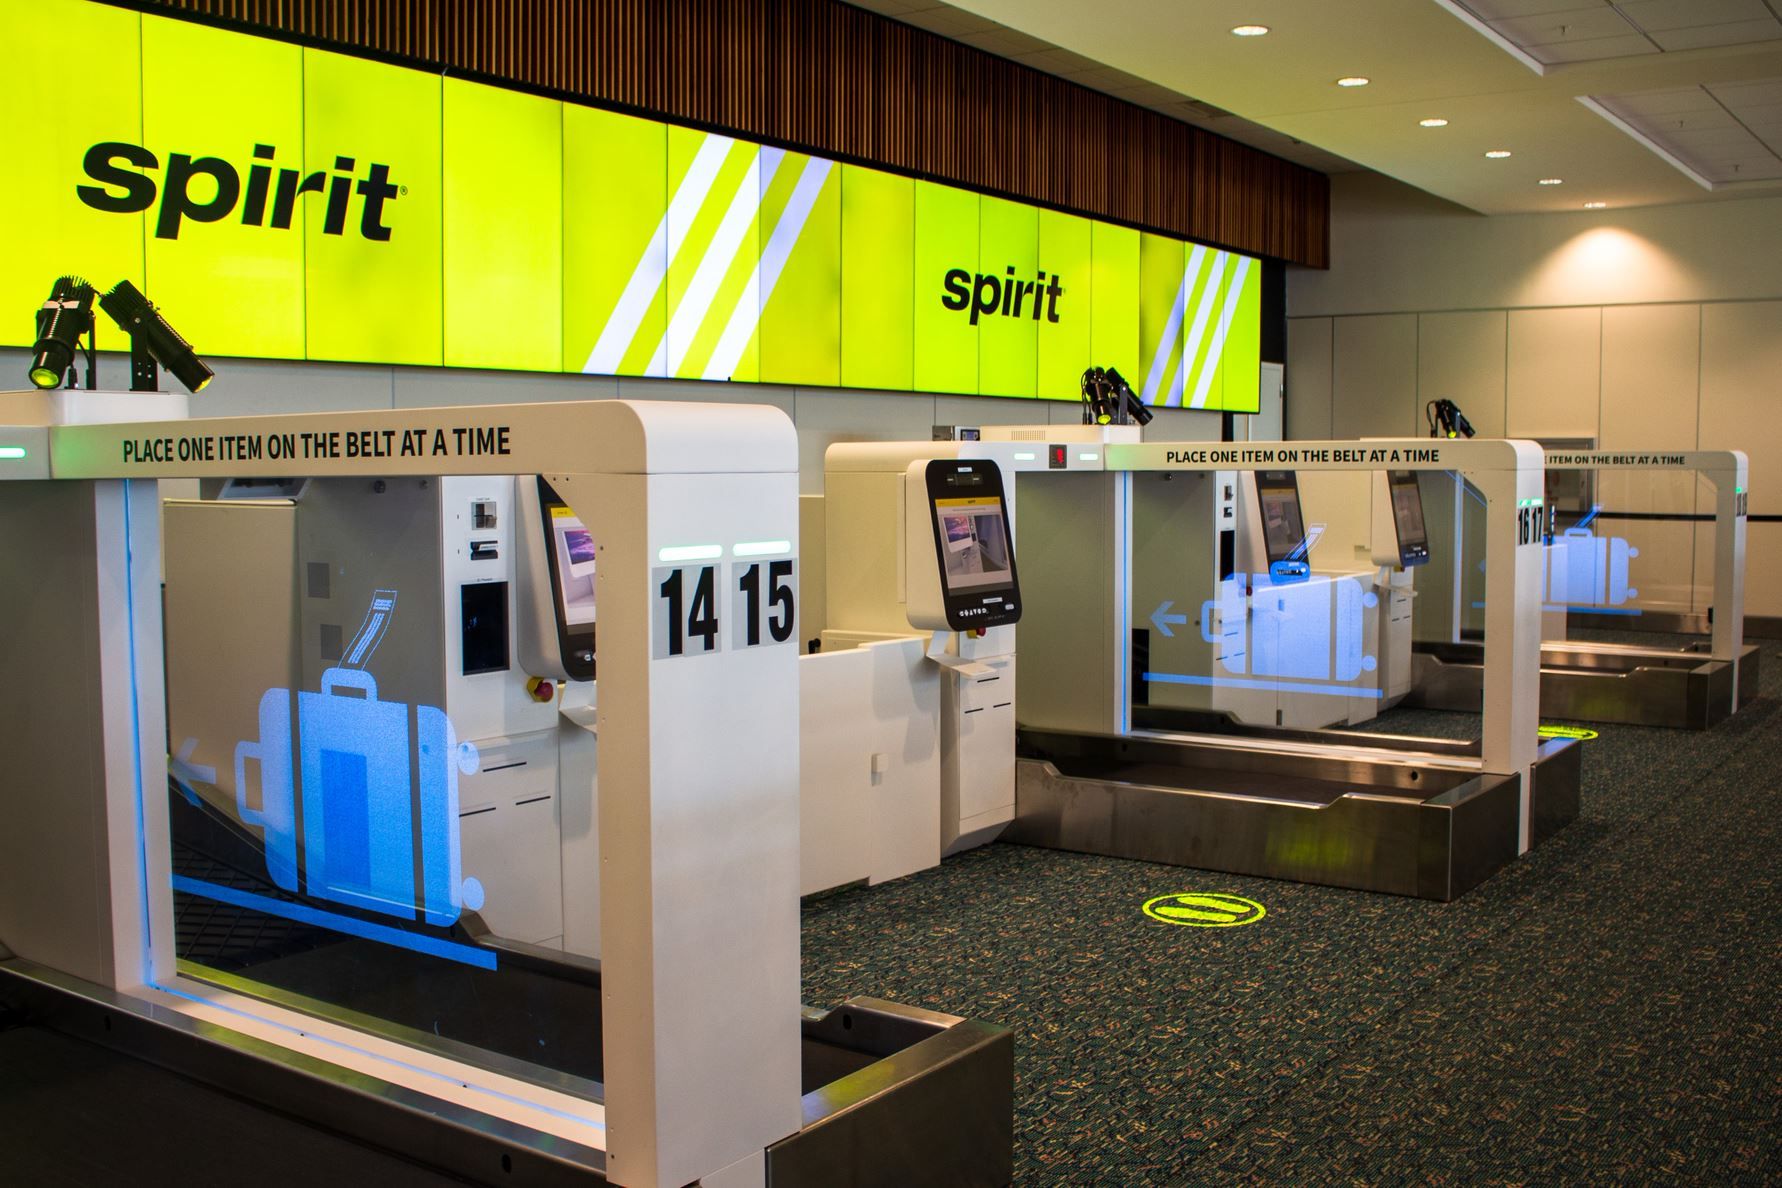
x,y
409,247
974,540
574,546
1283,527
1407,517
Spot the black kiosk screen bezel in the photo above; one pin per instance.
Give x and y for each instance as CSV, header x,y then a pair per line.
x,y
1275,481
1411,551
978,606
569,648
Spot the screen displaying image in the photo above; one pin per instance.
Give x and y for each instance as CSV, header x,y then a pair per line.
x,y
1283,530
575,566
975,537
1407,510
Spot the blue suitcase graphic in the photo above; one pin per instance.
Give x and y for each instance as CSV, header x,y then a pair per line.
x,y
360,799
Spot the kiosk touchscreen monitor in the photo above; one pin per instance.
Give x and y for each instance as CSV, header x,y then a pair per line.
x,y
569,547
1283,527
973,545
1407,518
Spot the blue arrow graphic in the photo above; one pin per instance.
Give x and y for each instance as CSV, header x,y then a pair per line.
x,y
1162,620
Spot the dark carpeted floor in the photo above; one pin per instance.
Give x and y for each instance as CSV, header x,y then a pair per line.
x,y
1603,1011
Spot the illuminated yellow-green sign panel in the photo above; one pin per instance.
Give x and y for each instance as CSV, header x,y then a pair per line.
x,y
289,203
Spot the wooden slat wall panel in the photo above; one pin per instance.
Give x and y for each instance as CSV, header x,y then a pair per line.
x,y
823,77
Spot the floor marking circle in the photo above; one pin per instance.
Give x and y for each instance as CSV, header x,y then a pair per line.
x,y
1578,732
1203,909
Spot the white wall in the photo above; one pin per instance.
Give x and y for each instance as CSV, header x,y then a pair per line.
x,y
823,415
1645,328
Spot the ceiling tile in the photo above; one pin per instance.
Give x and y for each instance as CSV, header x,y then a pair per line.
x,y
1595,50
1738,33
1503,10
1748,94
1715,142
1654,15
1761,115
1574,24
1680,101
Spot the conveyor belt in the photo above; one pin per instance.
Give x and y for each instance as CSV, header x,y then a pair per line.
x,y
73,1113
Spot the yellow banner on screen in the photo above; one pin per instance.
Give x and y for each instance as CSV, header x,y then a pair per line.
x,y
285,202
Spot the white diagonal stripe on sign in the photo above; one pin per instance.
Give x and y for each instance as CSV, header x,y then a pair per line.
x,y
1155,379
1214,352
640,291
1203,311
690,312
780,243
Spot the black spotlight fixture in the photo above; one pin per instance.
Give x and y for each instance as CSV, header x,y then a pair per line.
x,y
152,342
1129,402
1109,400
1446,420
61,323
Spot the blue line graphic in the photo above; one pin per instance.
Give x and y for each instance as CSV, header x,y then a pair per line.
x,y
335,922
1170,678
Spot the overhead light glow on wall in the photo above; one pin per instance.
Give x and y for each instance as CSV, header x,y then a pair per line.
x,y
1498,154
1432,123
1250,30
1595,205
1353,80
1552,181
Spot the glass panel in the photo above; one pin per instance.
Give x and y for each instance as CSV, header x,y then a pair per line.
x,y
379,814
1273,600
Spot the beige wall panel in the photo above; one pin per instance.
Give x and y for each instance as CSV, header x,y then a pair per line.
x,y
1308,379
1555,375
1374,379
1460,357
1651,375
1742,392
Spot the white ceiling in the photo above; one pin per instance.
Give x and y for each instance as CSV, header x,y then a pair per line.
x,y
1558,31
1574,88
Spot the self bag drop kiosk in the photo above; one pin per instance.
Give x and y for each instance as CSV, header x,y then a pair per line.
x,y
1133,637
1591,571
312,835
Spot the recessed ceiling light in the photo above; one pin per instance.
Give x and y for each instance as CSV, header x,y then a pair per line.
x,y
1433,123
1498,154
1552,181
1354,80
1250,30
1595,205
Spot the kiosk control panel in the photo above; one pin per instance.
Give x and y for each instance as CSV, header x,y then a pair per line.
x,y
968,581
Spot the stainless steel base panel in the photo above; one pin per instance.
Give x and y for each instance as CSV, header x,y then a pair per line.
x,y
902,1095
1678,688
1430,832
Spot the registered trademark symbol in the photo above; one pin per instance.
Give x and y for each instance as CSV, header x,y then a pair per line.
x,y
404,189
1200,910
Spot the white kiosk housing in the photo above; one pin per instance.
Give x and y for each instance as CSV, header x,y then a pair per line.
x,y
705,1054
